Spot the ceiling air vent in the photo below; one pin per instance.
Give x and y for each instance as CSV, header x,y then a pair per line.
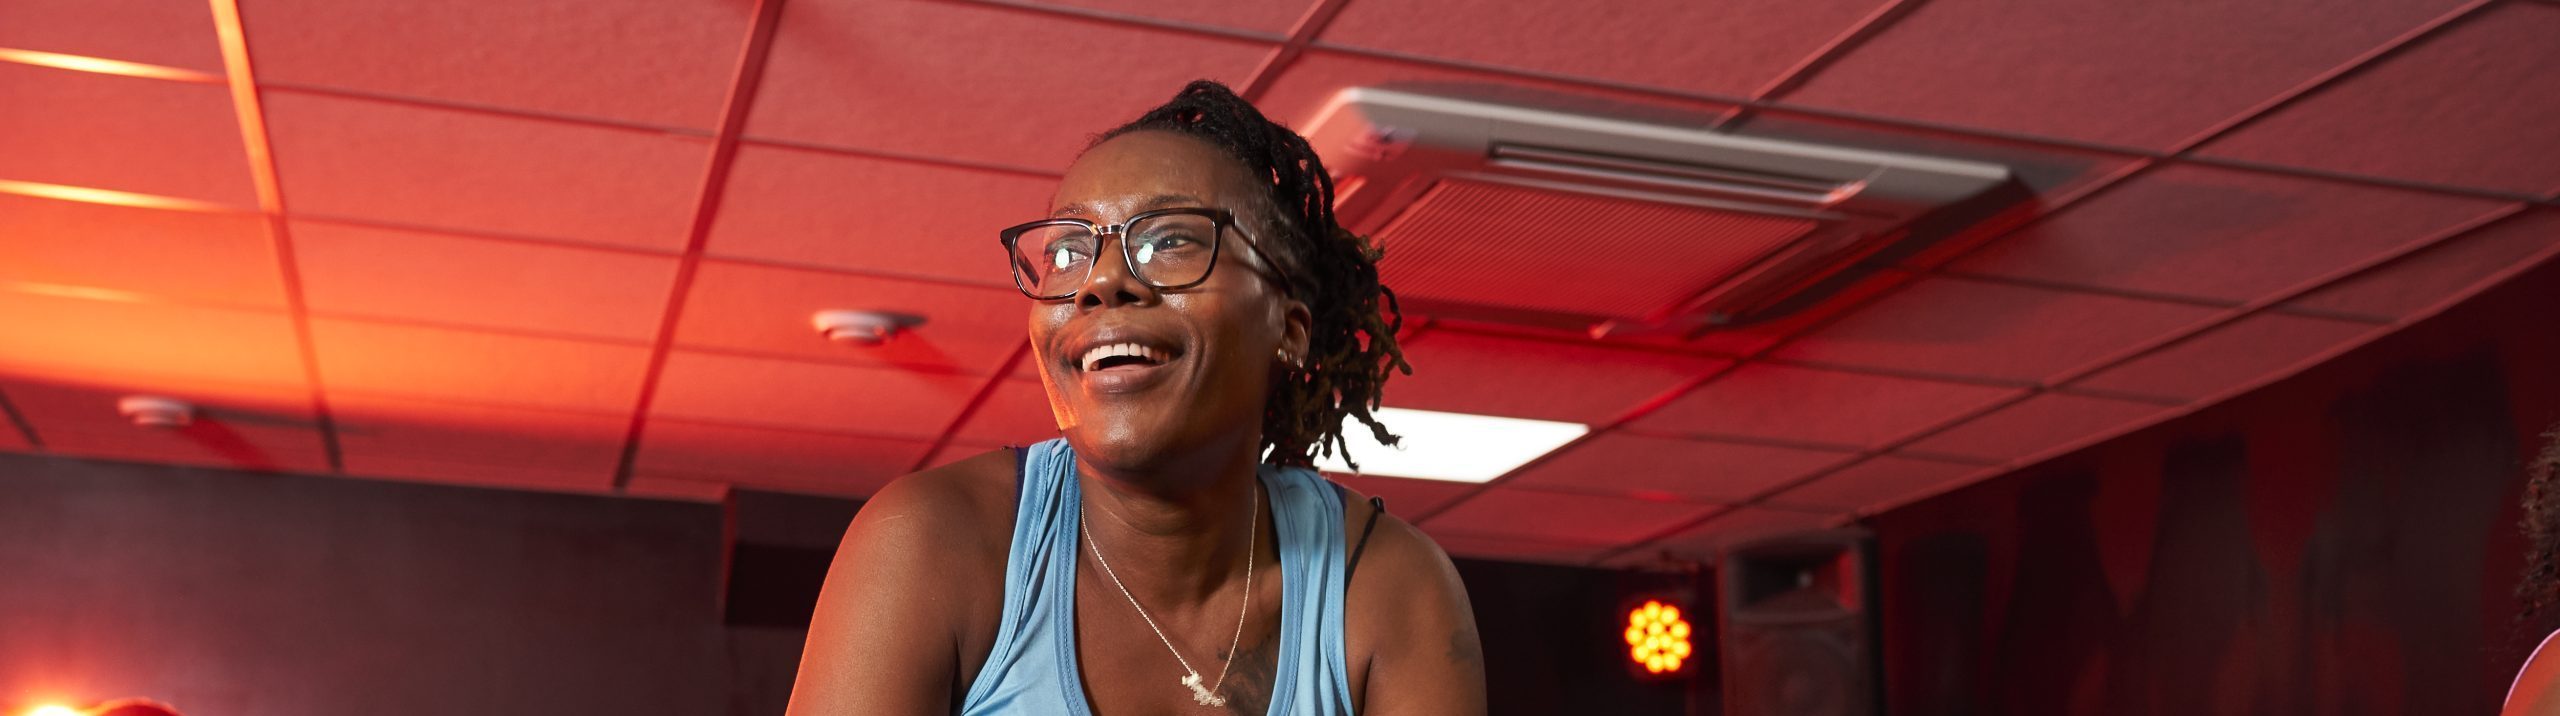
x,y
1513,214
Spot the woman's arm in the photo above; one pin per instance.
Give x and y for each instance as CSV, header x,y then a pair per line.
x,y
882,640
1425,657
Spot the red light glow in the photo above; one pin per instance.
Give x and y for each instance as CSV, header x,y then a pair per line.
x,y
1657,638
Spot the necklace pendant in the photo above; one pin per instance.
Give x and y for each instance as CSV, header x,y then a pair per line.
x,y
1201,693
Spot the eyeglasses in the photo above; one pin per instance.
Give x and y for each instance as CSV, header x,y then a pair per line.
x,y
1165,249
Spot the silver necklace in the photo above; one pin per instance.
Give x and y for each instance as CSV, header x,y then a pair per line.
x,y
1206,695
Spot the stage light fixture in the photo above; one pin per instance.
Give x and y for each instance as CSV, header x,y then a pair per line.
x,y
1658,637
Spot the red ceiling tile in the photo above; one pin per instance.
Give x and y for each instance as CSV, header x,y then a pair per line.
x,y
218,258
109,132
1406,498
1724,472
811,396
2218,234
674,488
1518,550
1276,18
1302,90
1017,413
873,215
478,368
768,310
2246,352
1880,481
156,32
1641,44
662,63
13,441
2139,74
2470,106
466,170
77,339
971,82
2029,429
2443,272
473,445
263,428
1707,541
1565,517
370,272
773,459
1583,383
1816,406
1954,327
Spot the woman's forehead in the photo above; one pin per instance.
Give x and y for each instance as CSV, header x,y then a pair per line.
x,y
1146,170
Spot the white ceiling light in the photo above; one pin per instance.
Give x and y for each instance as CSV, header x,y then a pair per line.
x,y
1451,446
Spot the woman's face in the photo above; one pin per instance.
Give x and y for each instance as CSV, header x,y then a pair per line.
x,y
1207,352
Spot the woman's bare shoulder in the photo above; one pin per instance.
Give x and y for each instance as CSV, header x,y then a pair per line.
x,y
969,500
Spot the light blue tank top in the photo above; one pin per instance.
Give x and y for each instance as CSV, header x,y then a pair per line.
x,y
1032,668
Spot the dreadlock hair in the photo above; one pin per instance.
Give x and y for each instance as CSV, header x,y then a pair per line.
x,y
2540,588
1352,337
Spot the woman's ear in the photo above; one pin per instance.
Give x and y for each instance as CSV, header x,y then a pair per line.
x,y
1297,325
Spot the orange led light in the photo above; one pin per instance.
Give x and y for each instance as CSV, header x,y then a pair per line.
x,y
104,66
1657,638
53,710
110,197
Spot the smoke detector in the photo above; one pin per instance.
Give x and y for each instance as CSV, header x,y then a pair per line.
x,y
868,328
156,412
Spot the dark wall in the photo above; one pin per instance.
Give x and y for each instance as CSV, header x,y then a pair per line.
x,y
231,594
2340,542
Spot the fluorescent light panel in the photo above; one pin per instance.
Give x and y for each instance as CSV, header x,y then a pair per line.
x,y
1457,447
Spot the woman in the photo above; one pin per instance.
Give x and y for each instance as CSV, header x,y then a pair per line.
x,y
2536,689
1196,307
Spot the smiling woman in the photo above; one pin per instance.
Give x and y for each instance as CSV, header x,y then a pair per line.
x,y
1205,329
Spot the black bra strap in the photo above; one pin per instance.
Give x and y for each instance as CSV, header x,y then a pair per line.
x,y
1377,506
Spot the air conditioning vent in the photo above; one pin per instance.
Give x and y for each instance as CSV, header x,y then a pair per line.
x,y
1505,213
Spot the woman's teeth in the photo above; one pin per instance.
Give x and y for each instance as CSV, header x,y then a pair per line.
x,y
1093,358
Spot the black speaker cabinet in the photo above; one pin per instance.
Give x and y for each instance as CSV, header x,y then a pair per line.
x,y
1797,633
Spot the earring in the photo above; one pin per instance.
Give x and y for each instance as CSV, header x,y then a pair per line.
x,y
1286,359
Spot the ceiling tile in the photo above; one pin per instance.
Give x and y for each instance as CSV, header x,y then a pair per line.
x,y
2470,106
2218,234
477,445
466,170
1406,498
2031,428
1880,481
2442,272
1508,549
155,32
811,396
773,459
971,82
1299,94
13,441
1017,413
479,368
1638,49
84,340
1547,380
372,272
873,215
2263,346
266,428
218,258
1707,541
2138,74
1723,472
1954,327
1276,18
661,63
1777,402
123,133
760,309
1541,515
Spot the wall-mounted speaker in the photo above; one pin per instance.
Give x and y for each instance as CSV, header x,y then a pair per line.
x,y
1797,631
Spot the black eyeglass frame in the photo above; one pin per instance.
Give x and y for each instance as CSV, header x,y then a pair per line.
x,y
1223,220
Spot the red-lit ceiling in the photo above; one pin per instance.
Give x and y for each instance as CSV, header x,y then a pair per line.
x,y
573,245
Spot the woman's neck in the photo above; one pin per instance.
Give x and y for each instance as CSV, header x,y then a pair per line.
x,y
1177,531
